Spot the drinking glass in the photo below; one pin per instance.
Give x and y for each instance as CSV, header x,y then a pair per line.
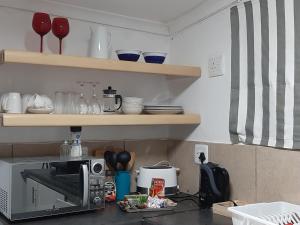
x,y
94,107
59,102
71,102
41,24
60,28
82,103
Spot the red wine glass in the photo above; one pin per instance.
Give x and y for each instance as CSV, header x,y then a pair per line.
x,y
60,28
41,24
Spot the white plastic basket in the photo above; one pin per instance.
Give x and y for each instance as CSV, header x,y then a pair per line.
x,y
275,213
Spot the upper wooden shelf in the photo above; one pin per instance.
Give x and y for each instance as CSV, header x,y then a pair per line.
x,y
57,120
25,57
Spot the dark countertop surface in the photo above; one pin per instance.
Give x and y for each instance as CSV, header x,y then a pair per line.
x,y
186,212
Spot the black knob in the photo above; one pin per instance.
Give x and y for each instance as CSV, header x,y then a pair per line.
x,y
97,168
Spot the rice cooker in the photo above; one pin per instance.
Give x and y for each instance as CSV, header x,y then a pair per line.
x,y
145,175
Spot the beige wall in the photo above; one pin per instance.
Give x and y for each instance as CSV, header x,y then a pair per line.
x,y
257,174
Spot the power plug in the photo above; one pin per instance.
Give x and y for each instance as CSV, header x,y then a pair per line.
x,y
199,148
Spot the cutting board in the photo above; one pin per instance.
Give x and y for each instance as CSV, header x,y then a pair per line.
x,y
221,207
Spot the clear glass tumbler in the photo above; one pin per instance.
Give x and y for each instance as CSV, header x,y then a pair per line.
x,y
59,102
71,102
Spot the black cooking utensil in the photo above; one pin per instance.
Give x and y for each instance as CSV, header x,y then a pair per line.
x,y
111,159
123,158
107,156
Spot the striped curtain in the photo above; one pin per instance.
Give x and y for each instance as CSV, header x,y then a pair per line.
x,y
265,73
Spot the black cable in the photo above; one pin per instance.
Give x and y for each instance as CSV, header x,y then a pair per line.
x,y
169,213
189,199
184,195
180,197
234,203
197,193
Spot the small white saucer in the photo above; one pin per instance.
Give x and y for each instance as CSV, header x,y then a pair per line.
x,y
40,110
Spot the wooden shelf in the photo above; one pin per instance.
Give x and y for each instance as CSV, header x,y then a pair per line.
x,y
24,57
43,120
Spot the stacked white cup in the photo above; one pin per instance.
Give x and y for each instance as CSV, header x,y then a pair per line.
x,y
132,105
11,102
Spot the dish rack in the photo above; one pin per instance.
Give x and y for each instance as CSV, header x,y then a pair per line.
x,y
275,213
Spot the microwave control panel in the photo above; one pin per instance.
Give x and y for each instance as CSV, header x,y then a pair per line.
x,y
97,181
97,198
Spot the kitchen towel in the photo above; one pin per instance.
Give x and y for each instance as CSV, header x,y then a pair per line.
x,y
265,73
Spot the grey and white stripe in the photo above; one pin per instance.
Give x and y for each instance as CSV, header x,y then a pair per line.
x,y
235,68
250,63
265,70
265,73
296,137
280,72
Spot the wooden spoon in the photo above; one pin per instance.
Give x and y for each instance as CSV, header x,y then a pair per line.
x,y
132,161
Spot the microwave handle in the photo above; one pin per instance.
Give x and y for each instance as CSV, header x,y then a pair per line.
x,y
85,184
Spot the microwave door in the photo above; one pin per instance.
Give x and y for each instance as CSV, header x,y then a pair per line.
x,y
52,188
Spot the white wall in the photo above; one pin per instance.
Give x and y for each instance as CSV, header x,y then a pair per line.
x,y
16,33
208,96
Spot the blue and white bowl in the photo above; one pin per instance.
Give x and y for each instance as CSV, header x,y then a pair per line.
x,y
129,55
154,57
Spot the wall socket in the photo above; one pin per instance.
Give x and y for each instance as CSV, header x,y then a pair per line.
x,y
216,65
199,148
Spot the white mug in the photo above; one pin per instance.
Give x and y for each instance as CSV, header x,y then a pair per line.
x,y
100,42
12,103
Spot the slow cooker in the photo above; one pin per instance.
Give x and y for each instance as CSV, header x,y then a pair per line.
x,y
145,175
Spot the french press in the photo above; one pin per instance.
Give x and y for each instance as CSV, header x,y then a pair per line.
x,y
112,101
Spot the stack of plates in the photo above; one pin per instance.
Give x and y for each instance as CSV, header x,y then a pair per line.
x,y
163,109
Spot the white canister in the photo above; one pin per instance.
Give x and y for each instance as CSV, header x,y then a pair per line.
x,y
100,42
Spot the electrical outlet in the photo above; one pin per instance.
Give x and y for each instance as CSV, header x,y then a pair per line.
x,y
216,65
198,150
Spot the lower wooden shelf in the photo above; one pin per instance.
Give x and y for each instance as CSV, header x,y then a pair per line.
x,y
56,120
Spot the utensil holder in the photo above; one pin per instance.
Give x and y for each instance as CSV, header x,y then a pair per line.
x,y
122,180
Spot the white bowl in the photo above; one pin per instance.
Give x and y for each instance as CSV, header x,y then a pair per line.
x,y
132,109
126,104
133,100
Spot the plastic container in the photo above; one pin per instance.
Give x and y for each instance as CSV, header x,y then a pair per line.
x,y
274,213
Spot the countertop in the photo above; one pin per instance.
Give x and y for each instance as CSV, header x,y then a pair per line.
x,y
185,213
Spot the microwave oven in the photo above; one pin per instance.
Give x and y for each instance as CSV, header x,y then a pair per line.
x,y
45,186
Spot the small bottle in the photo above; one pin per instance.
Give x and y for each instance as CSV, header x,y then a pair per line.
x,y
76,150
64,149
